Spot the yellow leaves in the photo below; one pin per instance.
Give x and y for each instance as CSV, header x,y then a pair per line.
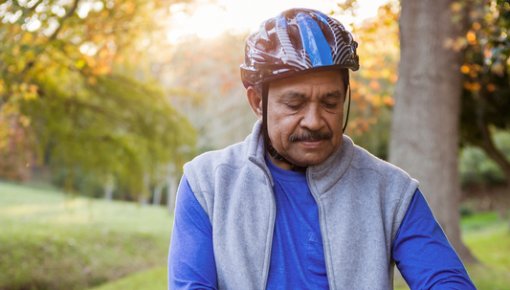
x,y
79,64
24,121
456,7
4,134
471,37
129,7
101,69
15,51
29,92
92,80
388,101
393,78
27,38
19,92
386,73
476,26
472,86
374,85
2,87
464,69
473,70
8,109
476,87
381,100
456,44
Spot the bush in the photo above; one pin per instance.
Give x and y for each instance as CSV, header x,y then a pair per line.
x,y
477,169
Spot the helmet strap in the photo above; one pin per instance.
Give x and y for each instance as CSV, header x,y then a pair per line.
x,y
348,107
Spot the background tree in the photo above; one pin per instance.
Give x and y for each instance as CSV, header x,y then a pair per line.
x,y
424,139
486,78
373,86
72,98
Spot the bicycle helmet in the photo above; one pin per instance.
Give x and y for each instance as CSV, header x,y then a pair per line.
x,y
296,41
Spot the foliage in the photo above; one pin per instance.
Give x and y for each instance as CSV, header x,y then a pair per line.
x,y
68,98
208,90
486,73
52,241
476,168
374,84
486,93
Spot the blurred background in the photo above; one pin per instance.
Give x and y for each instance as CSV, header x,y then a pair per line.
x,y
103,101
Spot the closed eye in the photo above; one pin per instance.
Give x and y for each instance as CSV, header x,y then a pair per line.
x,y
330,105
294,106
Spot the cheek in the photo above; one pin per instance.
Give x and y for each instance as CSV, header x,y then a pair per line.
x,y
280,128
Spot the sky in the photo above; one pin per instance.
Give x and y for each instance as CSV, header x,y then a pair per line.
x,y
208,19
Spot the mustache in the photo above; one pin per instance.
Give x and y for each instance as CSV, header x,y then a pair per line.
x,y
310,136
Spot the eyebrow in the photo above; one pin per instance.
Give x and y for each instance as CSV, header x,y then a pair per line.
x,y
334,94
292,95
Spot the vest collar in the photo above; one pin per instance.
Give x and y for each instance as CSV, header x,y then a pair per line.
x,y
328,173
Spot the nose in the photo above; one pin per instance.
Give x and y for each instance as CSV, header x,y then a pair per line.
x,y
312,118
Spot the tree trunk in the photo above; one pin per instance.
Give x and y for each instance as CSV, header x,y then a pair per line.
x,y
156,197
171,189
427,105
109,187
143,197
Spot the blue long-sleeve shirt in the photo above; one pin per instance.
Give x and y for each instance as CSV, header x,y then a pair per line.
x,y
420,249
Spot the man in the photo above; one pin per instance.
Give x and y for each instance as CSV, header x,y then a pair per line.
x,y
297,205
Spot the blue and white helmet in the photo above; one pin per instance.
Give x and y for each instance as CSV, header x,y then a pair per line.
x,y
296,41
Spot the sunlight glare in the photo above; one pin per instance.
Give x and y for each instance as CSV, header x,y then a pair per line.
x,y
206,19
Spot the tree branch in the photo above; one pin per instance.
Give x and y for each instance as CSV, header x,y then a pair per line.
x,y
487,144
54,35
69,13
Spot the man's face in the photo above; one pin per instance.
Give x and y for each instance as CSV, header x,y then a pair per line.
x,y
305,116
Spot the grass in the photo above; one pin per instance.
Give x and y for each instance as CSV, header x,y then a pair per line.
x,y
50,240
150,279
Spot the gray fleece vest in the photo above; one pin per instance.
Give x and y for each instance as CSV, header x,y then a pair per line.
x,y
361,201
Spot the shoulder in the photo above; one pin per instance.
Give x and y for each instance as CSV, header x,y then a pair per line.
x,y
207,163
212,169
366,161
393,183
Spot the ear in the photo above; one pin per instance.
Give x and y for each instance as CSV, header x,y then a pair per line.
x,y
255,101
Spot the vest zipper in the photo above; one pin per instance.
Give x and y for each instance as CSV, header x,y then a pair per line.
x,y
327,255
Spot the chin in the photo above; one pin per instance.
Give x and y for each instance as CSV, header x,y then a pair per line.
x,y
309,161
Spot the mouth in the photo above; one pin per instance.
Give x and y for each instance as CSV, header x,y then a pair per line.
x,y
311,144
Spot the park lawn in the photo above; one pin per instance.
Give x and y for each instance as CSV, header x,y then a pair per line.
x,y
50,240
150,279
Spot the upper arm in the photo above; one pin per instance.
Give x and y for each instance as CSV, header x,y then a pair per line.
x,y
191,262
423,254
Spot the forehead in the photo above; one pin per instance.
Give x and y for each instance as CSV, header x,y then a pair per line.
x,y
313,82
